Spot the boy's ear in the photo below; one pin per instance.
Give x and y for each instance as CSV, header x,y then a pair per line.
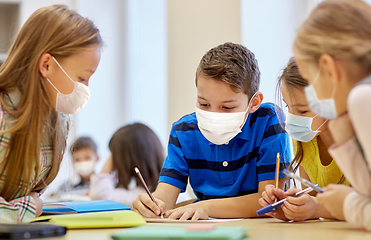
x,y
44,64
256,102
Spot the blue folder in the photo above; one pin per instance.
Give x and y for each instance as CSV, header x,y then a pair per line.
x,y
83,207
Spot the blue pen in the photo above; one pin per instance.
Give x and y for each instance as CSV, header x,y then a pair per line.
x,y
273,206
303,181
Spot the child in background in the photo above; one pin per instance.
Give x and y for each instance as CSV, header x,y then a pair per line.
x,y
84,157
134,145
310,147
332,49
227,147
44,77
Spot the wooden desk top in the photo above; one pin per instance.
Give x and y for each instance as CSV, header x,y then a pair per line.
x,y
261,228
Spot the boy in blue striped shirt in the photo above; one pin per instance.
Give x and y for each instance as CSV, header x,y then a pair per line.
x,y
227,148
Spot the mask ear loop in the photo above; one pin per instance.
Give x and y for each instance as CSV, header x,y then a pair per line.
x,y
321,124
62,69
252,98
53,85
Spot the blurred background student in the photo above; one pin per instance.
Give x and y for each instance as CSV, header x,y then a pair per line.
x,y
134,145
84,158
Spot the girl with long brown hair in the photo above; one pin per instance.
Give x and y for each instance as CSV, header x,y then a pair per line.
x,y
311,138
44,78
333,52
134,145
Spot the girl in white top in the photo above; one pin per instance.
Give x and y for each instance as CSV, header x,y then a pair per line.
x,y
333,52
134,145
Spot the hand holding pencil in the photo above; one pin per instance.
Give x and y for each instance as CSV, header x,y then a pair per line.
x,y
146,204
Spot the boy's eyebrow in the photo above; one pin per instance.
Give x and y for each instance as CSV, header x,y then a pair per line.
x,y
231,100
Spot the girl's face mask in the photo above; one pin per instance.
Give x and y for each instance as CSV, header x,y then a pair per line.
x,y
300,128
73,102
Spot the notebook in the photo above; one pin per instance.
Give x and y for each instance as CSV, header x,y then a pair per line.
x,y
181,233
82,207
110,219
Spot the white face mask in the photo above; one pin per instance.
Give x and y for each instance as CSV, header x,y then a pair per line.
x,y
300,128
324,108
84,168
220,128
73,102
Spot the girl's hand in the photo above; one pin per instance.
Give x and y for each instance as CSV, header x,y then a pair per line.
x,y
299,208
333,199
268,196
39,203
341,129
195,211
147,208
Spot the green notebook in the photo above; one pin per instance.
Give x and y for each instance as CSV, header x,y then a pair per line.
x,y
181,233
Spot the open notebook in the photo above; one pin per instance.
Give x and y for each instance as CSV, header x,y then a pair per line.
x,y
82,207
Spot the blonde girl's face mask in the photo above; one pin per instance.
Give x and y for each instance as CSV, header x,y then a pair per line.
x,y
73,102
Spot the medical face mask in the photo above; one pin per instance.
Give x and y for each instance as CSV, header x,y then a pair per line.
x,y
300,128
324,108
84,168
73,102
220,128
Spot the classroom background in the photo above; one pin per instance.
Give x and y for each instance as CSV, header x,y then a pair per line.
x,y
152,49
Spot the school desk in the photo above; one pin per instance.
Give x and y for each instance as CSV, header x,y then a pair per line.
x,y
259,228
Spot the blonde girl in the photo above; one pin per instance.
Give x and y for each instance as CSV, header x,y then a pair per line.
x,y
333,52
44,77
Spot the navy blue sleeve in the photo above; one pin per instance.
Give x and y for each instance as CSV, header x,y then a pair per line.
x,y
175,168
275,140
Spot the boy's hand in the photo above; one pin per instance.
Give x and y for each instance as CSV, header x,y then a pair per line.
x,y
147,208
195,211
268,197
39,203
333,199
299,208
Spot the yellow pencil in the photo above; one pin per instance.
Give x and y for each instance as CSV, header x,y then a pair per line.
x,y
277,179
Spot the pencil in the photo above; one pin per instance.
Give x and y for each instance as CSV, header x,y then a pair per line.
x,y
146,187
277,178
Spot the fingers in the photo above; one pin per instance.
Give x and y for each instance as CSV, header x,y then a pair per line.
x,y
146,207
301,200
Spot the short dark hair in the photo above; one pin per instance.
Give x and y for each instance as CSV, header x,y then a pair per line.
x,y
83,142
234,64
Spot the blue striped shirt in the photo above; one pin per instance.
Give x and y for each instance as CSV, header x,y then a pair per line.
x,y
228,170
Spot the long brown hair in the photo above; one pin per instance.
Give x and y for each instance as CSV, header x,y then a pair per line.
x,y
340,28
61,32
292,78
136,145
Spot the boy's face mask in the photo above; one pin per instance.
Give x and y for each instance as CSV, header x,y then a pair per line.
x,y
323,108
220,128
73,102
300,128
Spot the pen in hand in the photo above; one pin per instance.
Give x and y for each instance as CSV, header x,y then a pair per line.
x,y
272,207
146,187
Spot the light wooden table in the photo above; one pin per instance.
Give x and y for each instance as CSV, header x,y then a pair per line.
x,y
260,228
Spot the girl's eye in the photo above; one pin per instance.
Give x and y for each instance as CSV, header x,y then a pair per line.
x,y
83,80
228,108
204,104
303,112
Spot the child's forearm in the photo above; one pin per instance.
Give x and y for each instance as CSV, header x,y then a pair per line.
x,y
234,207
321,211
168,194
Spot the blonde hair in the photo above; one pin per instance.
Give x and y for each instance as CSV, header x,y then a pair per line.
x,y
61,32
340,28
